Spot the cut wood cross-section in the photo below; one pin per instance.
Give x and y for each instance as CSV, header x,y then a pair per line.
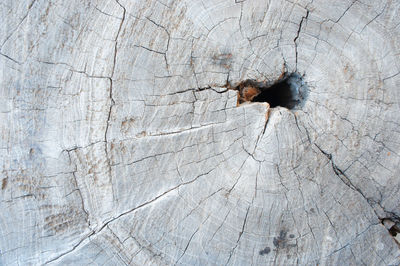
x,y
138,132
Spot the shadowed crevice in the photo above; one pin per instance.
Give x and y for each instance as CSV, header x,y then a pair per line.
x,y
290,91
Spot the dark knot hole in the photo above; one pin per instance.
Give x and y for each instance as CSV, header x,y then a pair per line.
x,y
290,92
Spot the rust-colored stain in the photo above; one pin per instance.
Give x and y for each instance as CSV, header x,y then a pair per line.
x,y
61,222
246,92
349,73
249,92
222,56
127,124
267,113
4,183
282,75
223,60
346,68
31,152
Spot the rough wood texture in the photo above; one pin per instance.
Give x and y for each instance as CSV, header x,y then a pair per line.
x,y
121,145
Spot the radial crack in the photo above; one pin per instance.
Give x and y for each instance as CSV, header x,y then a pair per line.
x,y
298,34
346,180
240,236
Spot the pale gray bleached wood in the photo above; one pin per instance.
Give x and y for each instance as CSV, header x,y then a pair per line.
x,y
120,144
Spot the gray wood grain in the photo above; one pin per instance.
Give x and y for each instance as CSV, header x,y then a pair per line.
x,y
120,143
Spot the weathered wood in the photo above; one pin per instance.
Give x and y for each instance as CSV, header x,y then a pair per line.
x,y
121,143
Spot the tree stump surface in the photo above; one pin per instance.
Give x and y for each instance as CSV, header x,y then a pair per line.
x,y
122,141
